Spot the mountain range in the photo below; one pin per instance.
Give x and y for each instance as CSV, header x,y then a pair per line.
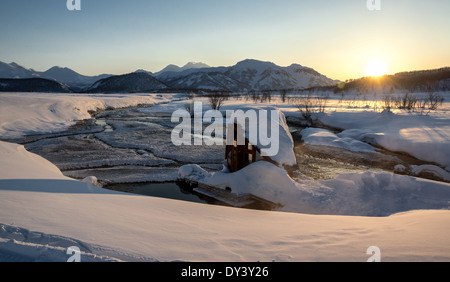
x,y
247,75
63,75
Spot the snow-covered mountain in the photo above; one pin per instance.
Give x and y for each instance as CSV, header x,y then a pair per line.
x,y
188,66
127,83
14,70
143,71
60,74
247,75
68,76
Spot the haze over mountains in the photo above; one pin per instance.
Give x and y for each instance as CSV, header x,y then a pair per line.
x,y
247,75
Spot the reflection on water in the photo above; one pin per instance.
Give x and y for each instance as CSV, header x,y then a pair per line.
x,y
171,190
168,190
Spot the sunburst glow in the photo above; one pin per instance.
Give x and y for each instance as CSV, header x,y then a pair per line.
x,y
376,68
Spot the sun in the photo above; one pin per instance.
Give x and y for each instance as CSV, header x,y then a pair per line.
x,y
376,68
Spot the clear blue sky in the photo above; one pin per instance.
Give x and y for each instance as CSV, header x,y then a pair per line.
x,y
337,38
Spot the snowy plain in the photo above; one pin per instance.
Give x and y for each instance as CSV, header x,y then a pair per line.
x,y
35,113
44,212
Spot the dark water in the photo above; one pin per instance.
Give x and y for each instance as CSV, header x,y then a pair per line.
x,y
168,190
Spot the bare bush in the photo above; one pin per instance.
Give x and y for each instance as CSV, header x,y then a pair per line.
x,y
216,100
322,102
407,102
421,105
410,102
434,101
388,102
190,108
309,105
255,97
306,107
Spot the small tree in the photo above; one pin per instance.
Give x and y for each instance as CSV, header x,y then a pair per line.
x,y
434,101
283,95
306,107
216,100
387,103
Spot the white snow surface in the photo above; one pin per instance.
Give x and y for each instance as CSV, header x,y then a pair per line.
x,y
35,113
318,136
41,218
43,212
424,137
367,194
431,169
283,152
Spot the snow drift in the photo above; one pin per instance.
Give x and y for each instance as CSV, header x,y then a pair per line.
x,y
362,194
37,113
424,137
40,219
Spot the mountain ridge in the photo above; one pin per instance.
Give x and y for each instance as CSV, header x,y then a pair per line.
x,y
60,74
175,68
247,75
127,83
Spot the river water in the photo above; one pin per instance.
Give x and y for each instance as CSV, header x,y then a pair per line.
x,y
130,150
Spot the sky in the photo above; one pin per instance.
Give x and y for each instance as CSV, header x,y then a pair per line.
x,y
339,39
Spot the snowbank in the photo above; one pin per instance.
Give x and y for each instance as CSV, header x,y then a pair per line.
x,y
317,136
18,163
283,153
41,218
34,113
428,171
42,212
366,194
424,137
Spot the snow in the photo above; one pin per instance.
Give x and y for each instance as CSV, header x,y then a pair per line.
x,y
366,194
44,212
246,75
282,153
16,160
432,169
32,113
318,136
424,137
40,219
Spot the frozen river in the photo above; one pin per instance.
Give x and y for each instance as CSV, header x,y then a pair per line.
x,y
128,150
131,150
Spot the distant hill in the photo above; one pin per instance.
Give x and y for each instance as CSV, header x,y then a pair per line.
x,y
70,77
63,75
32,85
129,83
414,81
